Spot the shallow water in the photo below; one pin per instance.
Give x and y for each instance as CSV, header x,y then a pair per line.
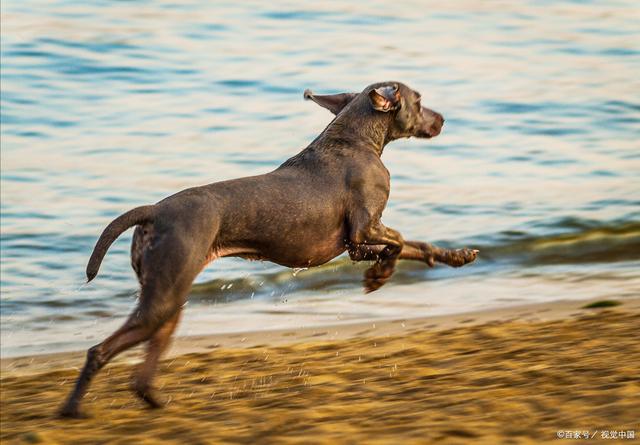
x,y
110,105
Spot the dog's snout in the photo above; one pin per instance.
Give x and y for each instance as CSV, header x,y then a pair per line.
x,y
434,116
432,123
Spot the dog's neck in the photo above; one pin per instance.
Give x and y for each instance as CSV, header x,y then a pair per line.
x,y
366,129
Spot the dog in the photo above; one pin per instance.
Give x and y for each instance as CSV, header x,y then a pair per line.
x,y
325,200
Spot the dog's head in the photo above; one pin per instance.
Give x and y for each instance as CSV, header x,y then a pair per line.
x,y
410,118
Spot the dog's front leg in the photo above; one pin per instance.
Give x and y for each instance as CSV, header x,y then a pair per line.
x,y
416,251
391,244
450,257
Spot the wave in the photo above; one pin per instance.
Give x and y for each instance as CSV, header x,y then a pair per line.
x,y
606,243
589,244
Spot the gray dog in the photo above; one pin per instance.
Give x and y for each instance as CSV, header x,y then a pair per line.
x,y
326,199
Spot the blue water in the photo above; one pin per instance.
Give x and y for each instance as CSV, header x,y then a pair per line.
x,y
109,105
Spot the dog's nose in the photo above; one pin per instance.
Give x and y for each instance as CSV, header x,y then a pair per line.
x,y
436,126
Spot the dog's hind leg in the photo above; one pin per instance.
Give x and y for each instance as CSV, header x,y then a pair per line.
x,y
166,281
157,345
139,327
136,330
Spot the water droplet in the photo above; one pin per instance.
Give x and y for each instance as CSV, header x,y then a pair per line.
x,y
297,270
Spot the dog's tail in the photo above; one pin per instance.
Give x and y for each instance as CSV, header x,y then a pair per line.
x,y
133,217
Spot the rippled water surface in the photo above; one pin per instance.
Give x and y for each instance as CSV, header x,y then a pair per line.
x,y
109,105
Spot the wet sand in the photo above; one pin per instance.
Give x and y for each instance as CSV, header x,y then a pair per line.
x,y
517,375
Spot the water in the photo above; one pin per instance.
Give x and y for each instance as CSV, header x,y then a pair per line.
x,y
109,105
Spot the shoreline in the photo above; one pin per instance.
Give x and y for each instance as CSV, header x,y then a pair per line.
x,y
535,312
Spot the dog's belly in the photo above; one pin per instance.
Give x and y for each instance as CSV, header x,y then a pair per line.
x,y
293,251
308,256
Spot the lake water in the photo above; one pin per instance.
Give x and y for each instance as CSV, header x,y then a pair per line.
x,y
107,105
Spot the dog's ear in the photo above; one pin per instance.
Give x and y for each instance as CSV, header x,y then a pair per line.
x,y
332,102
385,98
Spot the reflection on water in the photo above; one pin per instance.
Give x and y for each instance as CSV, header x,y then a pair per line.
x,y
110,105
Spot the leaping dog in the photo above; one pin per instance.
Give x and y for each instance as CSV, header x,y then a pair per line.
x,y
325,200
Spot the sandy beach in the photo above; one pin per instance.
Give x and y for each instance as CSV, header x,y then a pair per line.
x,y
517,375
510,128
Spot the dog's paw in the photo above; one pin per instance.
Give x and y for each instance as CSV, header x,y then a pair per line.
x,y
376,276
371,284
71,412
149,396
464,256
